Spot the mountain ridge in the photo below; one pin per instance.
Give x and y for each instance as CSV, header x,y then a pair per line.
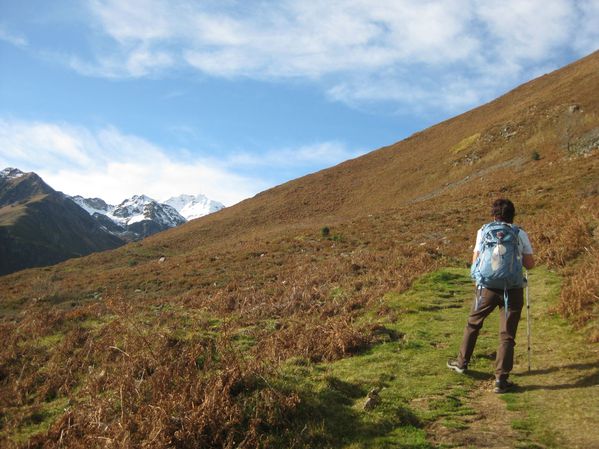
x,y
33,233
40,226
134,218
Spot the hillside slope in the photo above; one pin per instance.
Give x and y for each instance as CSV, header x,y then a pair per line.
x,y
39,226
182,339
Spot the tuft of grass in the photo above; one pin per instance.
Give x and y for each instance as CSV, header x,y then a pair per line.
x,y
39,419
465,143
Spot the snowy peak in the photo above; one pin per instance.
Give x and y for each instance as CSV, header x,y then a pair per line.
x,y
194,206
11,173
140,216
132,207
93,205
141,207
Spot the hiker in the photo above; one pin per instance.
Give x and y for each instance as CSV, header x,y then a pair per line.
x,y
500,251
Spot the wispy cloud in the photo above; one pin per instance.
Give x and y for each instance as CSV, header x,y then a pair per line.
x,y
587,37
113,165
528,31
305,38
360,51
321,155
12,38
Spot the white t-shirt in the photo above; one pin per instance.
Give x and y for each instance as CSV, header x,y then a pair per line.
x,y
524,245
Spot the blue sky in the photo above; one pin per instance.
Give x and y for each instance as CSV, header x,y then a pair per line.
x,y
112,98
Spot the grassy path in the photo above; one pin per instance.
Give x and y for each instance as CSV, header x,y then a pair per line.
x,y
421,404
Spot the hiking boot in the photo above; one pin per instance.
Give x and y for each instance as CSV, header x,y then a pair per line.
x,y
503,386
454,365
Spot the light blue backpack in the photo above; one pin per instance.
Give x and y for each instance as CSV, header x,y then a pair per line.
x,y
499,262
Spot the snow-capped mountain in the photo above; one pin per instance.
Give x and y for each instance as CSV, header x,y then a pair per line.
x,y
41,226
134,218
93,205
52,227
11,173
141,207
190,206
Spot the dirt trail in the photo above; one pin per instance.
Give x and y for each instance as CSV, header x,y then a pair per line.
x,y
556,404
488,428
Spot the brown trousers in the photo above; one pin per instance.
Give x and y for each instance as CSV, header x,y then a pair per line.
x,y
490,299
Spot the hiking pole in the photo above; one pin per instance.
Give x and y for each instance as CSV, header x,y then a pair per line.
x,y
528,320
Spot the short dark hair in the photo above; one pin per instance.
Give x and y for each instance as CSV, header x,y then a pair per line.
x,y
504,210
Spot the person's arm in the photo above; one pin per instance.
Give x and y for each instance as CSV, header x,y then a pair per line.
x,y
474,256
528,261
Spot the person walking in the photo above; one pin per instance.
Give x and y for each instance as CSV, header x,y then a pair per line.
x,y
500,252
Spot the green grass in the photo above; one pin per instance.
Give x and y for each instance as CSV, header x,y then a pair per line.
x,y
40,419
465,143
416,388
418,395
421,401
561,392
49,341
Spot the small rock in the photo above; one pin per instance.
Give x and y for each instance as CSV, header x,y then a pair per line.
x,y
574,108
372,400
162,259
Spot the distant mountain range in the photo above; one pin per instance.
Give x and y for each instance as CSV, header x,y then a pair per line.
x,y
40,226
134,218
191,206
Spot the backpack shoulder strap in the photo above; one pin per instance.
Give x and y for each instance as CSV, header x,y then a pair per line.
x,y
483,232
518,240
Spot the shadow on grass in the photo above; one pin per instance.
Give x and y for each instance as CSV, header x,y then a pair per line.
x,y
589,380
479,375
552,369
333,417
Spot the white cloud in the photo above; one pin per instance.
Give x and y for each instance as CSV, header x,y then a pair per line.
x,y
527,30
44,143
136,20
109,164
410,52
586,36
113,165
307,38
